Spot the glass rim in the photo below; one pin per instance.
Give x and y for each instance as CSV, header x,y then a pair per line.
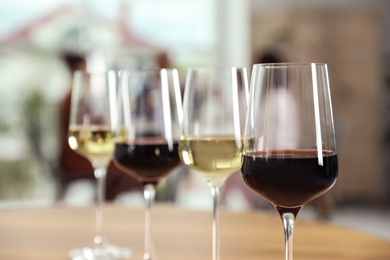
x,y
91,72
216,68
127,71
290,64
146,71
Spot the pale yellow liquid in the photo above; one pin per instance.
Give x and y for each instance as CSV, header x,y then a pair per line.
x,y
216,157
96,143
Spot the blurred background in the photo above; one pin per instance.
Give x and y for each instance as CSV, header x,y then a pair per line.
x,y
42,41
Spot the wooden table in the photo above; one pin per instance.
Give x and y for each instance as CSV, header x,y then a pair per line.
x,y
49,233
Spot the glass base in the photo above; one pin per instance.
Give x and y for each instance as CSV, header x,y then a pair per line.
x,y
100,252
149,257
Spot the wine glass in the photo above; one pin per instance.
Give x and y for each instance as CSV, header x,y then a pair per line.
x,y
150,110
91,134
289,155
211,141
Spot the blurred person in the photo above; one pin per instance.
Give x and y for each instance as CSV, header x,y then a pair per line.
x,y
235,194
71,165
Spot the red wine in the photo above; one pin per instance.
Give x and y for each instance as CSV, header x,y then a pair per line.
x,y
289,178
146,159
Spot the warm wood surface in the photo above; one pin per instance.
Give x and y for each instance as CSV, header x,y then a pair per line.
x,y
49,233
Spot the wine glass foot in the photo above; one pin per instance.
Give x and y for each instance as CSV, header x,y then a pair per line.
x,y
100,252
149,257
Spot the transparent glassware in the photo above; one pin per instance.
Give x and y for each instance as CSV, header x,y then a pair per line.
x,y
93,115
211,140
290,155
150,111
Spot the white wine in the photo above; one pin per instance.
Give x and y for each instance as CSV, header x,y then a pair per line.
x,y
216,157
96,143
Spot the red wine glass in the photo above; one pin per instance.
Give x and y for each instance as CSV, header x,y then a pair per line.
x,y
290,155
150,110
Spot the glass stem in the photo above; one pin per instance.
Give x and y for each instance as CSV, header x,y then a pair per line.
x,y
100,175
288,225
149,194
215,193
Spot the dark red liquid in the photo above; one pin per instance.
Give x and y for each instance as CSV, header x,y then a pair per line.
x,y
290,178
146,160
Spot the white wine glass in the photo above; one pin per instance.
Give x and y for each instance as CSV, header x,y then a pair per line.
x,y
290,155
150,111
211,141
93,115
